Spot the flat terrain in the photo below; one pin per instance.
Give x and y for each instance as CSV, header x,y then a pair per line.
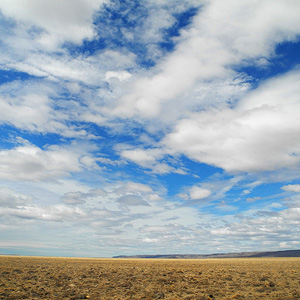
x,y
76,278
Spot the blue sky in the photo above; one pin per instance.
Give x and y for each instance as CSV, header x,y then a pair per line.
x,y
145,127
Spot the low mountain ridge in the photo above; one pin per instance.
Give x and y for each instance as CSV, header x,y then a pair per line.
x,y
284,253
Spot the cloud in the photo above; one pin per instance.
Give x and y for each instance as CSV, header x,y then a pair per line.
x,y
292,188
31,163
266,227
260,134
138,187
197,193
77,198
12,199
58,213
32,107
152,159
22,111
132,200
209,50
139,156
97,206
253,199
121,75
254,27
92,70
96,221
74,198
143,27
67,21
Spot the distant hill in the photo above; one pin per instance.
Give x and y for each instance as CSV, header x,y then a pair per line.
x,y
285,253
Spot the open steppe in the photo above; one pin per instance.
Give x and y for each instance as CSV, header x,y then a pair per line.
x,y
77,278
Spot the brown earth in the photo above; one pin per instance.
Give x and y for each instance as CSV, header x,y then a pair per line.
x,y
76,278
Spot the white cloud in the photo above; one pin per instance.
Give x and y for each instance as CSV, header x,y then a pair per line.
x,y
253,199
12,199
31,107
56,213
138,187
31,163
162,169
148,240
151,159
292,188
266,226
92,70
257,135
208,49
197,193
120,75
132,200
61,21
74,198
23,113
140,157
250,28
159,229
177,227
151,20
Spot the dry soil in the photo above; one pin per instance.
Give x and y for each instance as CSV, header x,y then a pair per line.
x,y
76,278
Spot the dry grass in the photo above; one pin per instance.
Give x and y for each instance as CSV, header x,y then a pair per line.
x,y
67,278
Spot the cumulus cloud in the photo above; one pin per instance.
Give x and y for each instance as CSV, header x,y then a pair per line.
x,y
152,159
292,188
12,199
209,49
158,224
138,187
31,163
98,207
75,198
197,193
132,200
260,134
32,107
120,75
139,156
267,227
67,21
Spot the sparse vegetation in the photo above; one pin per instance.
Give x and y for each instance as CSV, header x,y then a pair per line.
x,y
104,279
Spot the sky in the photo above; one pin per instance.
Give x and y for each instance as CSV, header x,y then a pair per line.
x,y
149,127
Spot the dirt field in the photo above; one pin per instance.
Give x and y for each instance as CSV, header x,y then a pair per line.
x,y
68,278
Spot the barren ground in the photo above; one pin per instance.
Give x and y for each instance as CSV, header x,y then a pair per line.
x,y
76,278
